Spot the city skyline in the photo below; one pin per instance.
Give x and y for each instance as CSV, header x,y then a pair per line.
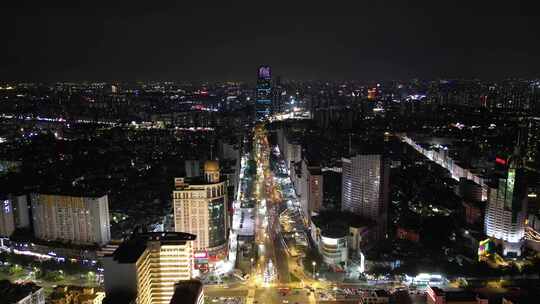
x,y
253,153
278,192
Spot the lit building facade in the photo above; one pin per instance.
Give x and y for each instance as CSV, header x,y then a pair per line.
x,y
147,266
337,235
263,102
365,189
13,214
332,244
76,219
200,208
507,209
533,140
309,187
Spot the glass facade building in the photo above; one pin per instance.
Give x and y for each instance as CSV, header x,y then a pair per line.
x,y
263,102
506,210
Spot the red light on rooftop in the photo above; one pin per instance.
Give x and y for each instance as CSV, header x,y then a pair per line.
x,y
500,161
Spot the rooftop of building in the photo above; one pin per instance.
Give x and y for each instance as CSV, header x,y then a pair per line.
x,y
132,248
410,223
366,149
475,204
455,296
13,195
437,291
337,223
119,298
315,170
13,293
468,182
71,193
186,292
211,165
335,231
200,180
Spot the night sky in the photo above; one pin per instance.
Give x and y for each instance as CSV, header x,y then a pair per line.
x,y
182,40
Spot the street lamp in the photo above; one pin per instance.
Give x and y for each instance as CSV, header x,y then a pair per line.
x,y
313,264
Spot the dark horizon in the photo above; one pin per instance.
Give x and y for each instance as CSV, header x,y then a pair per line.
x,y
366,42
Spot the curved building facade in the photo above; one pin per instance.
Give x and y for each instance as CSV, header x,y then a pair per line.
x,y
332,243
333,248
507,210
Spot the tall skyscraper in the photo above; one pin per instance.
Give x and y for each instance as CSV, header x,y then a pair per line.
x,y
146,267
263,102
507,208
200,208
279,94
365,189
310,187
77,219
533,141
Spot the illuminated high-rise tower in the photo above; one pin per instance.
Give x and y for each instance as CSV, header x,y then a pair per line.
x,y
263,101
507,208
365,189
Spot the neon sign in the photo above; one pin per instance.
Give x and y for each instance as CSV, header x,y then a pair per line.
x,y
200,255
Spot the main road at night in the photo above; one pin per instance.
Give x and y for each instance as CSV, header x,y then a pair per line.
x,y
270,280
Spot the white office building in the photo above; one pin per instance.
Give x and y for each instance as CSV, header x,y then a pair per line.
x,y
77,219
365,188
